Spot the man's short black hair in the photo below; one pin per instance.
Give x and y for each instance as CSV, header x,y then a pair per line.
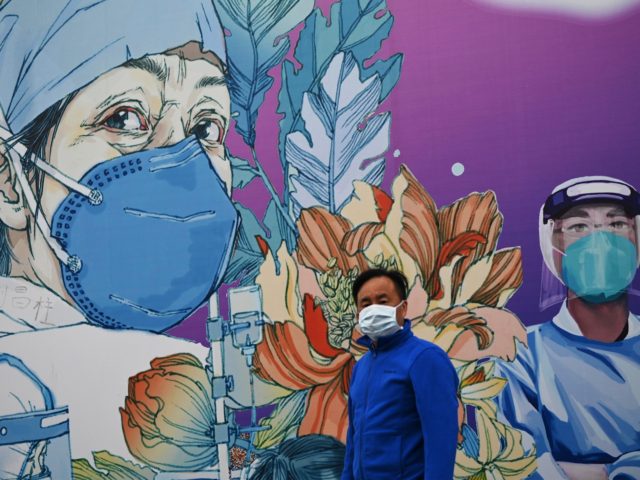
x,y
398,278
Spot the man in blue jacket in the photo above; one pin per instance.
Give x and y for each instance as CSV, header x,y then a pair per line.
x,y
402,401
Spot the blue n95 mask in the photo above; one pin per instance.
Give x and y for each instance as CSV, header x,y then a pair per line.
x,y
152,240
599,267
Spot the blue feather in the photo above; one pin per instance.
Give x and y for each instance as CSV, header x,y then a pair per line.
x,y
344,142
257,42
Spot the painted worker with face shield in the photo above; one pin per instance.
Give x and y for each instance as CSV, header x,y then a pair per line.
x,y
576,388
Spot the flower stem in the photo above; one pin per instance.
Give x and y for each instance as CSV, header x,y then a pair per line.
x,y
274,195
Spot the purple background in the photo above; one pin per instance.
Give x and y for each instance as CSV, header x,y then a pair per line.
x,y
525,101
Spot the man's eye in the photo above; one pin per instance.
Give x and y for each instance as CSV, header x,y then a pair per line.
x,y
209,130
126,119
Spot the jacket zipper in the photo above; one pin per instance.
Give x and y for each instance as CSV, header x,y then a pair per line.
x,y
374,354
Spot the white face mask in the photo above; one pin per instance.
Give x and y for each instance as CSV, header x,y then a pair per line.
x,y
379,321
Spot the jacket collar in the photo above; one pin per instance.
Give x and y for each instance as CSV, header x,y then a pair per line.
x,y
566,322
386,343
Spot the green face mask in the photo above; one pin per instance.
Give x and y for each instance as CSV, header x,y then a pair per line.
x,y
599,267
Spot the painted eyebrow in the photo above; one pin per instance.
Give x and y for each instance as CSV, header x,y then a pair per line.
x,y
118,96
150,65
575,213
211,81
617,212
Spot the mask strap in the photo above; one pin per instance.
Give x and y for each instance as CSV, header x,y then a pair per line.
x,y
93,195
71,261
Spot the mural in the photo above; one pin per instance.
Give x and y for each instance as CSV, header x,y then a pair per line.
x,y
186,201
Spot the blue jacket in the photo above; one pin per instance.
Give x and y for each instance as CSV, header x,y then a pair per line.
x,y
403,420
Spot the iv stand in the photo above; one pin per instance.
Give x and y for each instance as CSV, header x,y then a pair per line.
x,y
216,337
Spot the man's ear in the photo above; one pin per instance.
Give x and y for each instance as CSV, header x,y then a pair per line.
x,y
404,308
12,211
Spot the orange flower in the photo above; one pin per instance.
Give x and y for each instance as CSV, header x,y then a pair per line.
x,y
448,254
299,359
321,236
459,286
168,416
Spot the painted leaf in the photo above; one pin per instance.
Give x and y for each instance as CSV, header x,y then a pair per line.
x,y
466,466
355,26
110,467
489,438
517,469
243,172
346,143
257,42
247,257
483,390
284,421
279,230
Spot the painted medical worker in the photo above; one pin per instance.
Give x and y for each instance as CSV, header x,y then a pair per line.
x,y
403,421
116,221
576,389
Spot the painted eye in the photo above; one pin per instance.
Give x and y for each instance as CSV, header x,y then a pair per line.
x,y
209,130
127,119
620,225
578,228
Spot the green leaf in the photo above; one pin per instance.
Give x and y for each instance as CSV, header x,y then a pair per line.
x,y
114,468
284,421
257,41
82,470
243,172
246,257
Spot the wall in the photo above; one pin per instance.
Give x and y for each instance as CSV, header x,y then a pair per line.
x,y
418,135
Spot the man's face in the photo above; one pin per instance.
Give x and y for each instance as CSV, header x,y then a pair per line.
x,y
586,219
381,291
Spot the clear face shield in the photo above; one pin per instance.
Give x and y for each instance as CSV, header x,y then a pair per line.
x,y
590,252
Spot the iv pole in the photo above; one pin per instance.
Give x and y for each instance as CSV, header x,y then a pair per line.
x,y
216,336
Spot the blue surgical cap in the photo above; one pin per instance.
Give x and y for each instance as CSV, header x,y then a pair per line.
x,y
51,48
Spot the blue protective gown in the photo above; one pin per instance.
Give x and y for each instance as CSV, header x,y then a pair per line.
x,y
578,398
